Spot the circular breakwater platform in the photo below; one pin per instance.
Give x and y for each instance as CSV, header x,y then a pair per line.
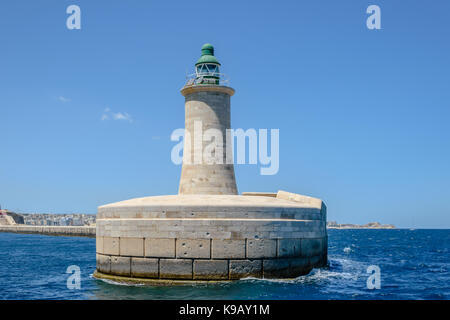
x,y
196,238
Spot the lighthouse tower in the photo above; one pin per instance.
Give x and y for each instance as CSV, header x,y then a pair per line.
x,y
207,232
206,167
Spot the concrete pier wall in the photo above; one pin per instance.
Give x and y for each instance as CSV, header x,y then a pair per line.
x,y
80,231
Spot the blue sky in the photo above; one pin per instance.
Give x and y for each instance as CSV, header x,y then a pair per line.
x,y
363,114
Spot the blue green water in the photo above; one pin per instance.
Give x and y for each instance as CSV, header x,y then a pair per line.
x,y
414,264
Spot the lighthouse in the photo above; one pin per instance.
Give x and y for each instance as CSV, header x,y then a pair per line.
x,y
207,120
209,232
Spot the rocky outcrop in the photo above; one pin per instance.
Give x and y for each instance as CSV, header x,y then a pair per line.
x,y
6,220
18,219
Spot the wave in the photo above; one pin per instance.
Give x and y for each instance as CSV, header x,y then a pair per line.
x,y
117,283
341,268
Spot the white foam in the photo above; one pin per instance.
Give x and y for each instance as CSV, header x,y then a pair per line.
x,y
118,283
350,271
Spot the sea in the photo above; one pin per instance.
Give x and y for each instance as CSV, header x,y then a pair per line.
x,y
363,264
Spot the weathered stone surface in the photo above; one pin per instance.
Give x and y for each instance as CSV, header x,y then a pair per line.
x,y
132,247
161,248
318,261
175,268
289,247
259,194
206,108
145,267
99,244
299,266
211,269
228,249
245,268
311,247
103,263
189,248
299,198
219,229
121,266
208,206
277,268
111,246
243,230
261,248
314,260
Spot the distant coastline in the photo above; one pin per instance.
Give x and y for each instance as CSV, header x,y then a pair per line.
x,y
80,219
370,225
52,219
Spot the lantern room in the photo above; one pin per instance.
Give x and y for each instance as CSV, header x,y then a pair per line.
x,y
207,67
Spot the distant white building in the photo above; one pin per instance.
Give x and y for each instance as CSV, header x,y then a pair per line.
x,y
77,222
65,221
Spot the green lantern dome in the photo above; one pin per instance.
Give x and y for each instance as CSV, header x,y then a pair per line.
x,y
207,55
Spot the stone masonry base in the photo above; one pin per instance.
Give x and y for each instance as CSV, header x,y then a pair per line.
x,y
211,237
283,258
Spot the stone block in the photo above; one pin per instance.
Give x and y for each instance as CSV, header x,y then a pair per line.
x,y
277,268
103,263
111,246
299,266
311,247
314,202
160,248
145,267
211,269
132,247
261,248
245,268
121,266
259,194
228,249
189,248
175,268
325,244
99,244
289,247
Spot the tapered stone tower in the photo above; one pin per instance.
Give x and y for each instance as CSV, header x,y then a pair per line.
x,y
207,117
